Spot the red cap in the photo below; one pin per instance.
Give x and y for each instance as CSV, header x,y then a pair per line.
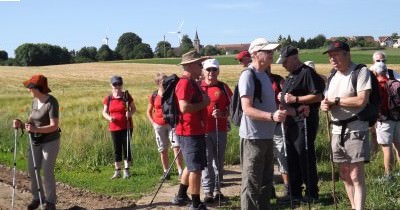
x,y
242,54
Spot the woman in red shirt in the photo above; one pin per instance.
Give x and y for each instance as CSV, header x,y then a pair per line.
x,y
116,112
164,134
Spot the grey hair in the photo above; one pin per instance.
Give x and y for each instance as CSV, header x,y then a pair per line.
x,y
379,52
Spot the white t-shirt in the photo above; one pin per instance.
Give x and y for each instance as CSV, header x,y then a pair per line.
x,y
341,86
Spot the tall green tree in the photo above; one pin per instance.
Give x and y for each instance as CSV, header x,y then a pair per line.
x,y
105,53
88,53
162,49
3,55
210,50
186,44
126,45
143,50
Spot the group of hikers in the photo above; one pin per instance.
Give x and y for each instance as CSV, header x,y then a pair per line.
x,y
278,119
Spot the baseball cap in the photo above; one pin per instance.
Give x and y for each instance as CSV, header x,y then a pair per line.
x,y
116,79
210,63
261,44
337,45
287,52
242,54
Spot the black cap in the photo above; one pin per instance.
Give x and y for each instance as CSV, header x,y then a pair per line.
x,y
337,45
287,52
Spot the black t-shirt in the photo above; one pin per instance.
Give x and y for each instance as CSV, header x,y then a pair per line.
x,y
303,81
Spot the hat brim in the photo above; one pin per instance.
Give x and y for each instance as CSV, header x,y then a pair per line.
x,y
28,84
194,61
280,60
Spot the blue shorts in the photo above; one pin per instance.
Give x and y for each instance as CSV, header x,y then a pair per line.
x,y
194,152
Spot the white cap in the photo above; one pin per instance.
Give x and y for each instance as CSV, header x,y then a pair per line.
x,y
210,63
261,44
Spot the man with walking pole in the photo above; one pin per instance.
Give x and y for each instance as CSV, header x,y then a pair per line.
x,y
216,130
350,144
303,86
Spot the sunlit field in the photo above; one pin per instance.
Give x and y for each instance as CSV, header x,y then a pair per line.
x,y
86,154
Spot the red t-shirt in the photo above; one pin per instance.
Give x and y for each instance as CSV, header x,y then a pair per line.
x,y
157,114
217,97
118,112
383,94
190,124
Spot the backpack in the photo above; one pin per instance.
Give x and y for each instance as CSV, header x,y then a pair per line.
x,y
125,97
391,74
235,107
170,109
393,88
371,110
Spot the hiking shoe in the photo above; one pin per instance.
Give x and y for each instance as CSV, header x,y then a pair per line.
x,y
117,174
126,174
34,204
178,200
201,206
167,177
385,178
49,206
208,198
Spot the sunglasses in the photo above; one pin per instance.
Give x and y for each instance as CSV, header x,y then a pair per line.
x,y
382,60
211,69
116,84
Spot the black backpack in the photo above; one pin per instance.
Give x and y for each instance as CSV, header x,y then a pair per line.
x,y
371,110
170,109
235,106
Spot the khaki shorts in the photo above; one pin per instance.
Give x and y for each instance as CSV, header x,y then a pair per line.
x,y
165,136
356,148
388,132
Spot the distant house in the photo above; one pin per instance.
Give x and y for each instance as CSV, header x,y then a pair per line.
x,y
232,48
385,41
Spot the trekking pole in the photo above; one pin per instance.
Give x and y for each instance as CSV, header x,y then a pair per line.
x,y
128,130
165,176
15,167
217,159
36,171
285,150
331,157
307,164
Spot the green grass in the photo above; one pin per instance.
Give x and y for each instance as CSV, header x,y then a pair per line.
x,y
86,156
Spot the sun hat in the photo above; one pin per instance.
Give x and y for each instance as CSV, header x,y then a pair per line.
x,y
242,54
210,63
287,52
39,82
337,45
191,57
116,79
261,44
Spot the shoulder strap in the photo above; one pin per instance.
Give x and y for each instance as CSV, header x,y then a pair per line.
x,y
221,86
153,96
331,74
108,103
354,76
391,74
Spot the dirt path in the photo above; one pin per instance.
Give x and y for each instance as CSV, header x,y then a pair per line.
x,y
72,198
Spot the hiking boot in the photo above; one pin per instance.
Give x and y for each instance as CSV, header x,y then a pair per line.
x,y
117,174
201,206
126,174
34,204
208,198
49,206
178,200
167,177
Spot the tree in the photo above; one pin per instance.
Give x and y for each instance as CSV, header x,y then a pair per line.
x,y
395,35
143,50
302,43
210,50
162,49
3,55
87,54
105,53
186,44
126,45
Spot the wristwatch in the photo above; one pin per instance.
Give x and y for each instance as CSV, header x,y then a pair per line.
x,y
337,101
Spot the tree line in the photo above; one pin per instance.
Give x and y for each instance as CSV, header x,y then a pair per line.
x,y
130,46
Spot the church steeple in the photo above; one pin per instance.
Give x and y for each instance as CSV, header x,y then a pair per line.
x,y
196,42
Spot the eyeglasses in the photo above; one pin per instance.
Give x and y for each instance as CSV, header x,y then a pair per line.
x,y
382,60
211,69
116,84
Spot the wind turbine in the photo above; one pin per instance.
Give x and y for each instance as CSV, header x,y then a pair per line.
x,y
178,32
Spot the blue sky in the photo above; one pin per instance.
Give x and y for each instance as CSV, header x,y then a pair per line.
x,y
75,24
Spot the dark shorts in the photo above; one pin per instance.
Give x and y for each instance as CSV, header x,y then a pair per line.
x,y
194,152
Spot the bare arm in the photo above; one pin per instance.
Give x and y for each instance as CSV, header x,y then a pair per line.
x,y
354,101
307,99
149,112
53,126
105,114
256,114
